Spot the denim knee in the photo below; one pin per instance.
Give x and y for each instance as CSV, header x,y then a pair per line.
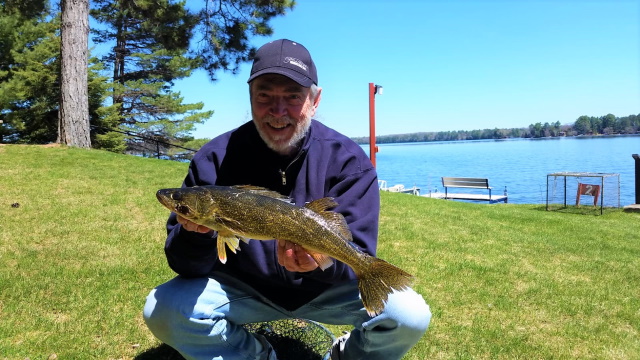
x,y
167,307
156,318
419,322
409,311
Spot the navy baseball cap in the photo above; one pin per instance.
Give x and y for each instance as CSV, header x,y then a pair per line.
x,y
285,57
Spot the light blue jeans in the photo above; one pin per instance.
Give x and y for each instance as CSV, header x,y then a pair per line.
x,y
201,318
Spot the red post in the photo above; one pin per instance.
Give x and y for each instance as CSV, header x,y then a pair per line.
x,y
373,149
637,159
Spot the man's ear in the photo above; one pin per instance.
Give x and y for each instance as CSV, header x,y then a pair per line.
x,y
316,101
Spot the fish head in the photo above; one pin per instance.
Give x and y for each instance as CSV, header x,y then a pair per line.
x,y
193,203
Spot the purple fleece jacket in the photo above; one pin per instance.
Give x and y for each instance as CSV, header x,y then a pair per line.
x,y
328,164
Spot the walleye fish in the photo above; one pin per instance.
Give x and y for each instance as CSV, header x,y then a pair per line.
x,y
249,212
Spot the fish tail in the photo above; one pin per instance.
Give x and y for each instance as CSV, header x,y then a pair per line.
x,y
379,280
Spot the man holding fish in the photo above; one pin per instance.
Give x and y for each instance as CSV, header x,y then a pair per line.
x,y
297,205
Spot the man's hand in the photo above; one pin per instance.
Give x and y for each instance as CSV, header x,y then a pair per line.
x,y
191,226
294,257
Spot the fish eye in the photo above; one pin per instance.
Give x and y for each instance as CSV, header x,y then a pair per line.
x,y
176,196
182,209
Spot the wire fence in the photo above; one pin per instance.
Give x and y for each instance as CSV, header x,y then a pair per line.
x,y
145,146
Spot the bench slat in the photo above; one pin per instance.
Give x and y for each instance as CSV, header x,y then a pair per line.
x,y
466,182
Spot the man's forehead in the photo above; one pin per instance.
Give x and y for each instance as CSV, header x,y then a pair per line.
x,y
271,81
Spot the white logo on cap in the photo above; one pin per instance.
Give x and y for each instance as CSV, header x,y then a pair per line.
x,y
296,62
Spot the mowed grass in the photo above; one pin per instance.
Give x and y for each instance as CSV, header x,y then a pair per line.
x,y
84,245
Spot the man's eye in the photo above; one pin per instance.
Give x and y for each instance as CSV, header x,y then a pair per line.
x,y
262,97
294,100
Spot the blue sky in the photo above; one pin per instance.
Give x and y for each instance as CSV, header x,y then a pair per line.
x,y
450,65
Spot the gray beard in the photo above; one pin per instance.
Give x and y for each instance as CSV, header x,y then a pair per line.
x,y
292,144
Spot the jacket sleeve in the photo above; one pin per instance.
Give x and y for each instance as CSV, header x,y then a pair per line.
x,y
189,253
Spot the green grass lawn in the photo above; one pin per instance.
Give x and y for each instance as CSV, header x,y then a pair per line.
x,y
81,245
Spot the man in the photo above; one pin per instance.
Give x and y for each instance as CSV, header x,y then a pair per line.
x,y
200,312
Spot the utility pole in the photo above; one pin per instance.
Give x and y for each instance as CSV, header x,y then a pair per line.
x,y
373,149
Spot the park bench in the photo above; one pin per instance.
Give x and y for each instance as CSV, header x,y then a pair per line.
x,y
470,183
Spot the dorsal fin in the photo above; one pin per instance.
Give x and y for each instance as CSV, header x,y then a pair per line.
x,y
335,219
261,191
321,205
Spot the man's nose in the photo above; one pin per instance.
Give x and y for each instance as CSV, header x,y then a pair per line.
x,y
278,107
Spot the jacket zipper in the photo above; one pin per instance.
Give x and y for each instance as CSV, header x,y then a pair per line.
x,y
283,173
284,177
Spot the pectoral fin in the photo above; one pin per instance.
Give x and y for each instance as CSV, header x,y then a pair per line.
x,y
322,260
231,241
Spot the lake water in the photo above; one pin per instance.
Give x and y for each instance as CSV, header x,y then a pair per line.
x,y
521,165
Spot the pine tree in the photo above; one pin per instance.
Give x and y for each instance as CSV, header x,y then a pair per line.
x,y
150,52
30,79
29,70
225,27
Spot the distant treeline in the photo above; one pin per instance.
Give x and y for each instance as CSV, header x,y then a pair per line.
x,y
584,125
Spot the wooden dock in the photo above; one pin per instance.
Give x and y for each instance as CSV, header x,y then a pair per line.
x,y
473,197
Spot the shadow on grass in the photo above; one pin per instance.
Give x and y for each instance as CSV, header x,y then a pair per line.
x,y
162,352
578,210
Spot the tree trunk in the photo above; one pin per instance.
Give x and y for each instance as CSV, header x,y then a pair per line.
x,y
73,122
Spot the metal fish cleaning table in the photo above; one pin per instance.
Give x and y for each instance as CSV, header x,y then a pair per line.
x,y
601,189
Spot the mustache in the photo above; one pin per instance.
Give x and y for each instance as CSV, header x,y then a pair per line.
x,y
283,120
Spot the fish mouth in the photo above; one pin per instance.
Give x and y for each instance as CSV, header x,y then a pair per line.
x,y
170,198
164,197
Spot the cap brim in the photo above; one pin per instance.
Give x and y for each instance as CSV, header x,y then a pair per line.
x,y
295,76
